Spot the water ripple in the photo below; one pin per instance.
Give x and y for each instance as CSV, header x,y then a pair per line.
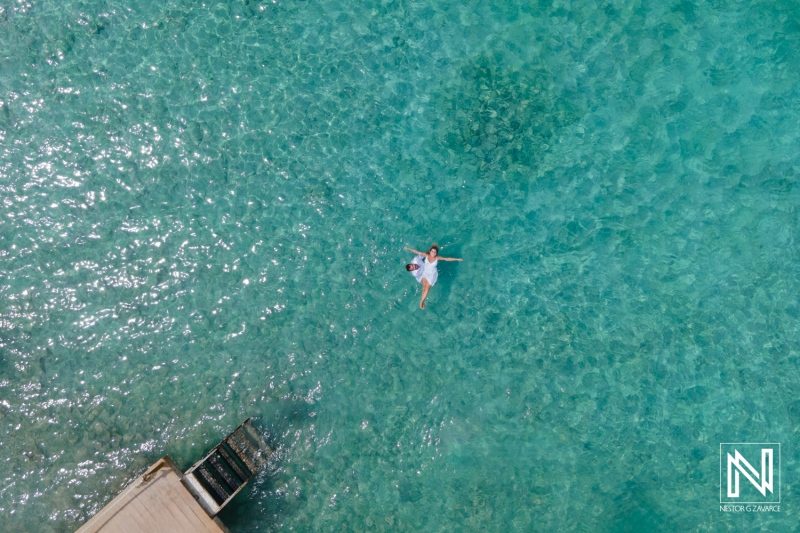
x,y
203,216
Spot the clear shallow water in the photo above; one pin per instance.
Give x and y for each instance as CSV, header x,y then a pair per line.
x,y
204,209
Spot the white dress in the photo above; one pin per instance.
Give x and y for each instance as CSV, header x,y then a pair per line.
x,y
428,270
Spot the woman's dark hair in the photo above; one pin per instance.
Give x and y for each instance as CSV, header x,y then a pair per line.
x,y
410,267
434,246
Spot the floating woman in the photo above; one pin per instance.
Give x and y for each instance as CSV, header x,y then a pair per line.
x,y
423,267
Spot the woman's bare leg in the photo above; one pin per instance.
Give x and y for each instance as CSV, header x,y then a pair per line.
x,y
425,288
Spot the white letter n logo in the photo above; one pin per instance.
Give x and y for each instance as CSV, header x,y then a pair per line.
x,y
737,464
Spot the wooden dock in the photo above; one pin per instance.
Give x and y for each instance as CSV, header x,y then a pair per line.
x,y
165,500
156,501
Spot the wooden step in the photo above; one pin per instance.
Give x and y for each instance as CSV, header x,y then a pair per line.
x,y
240,453
251,448
221,468
235,464
212,485
257,438
202,496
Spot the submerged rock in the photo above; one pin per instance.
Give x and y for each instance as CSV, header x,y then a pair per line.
x,y
502,120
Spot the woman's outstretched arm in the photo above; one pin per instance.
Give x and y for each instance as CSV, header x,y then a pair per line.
x,y
440,258
413,250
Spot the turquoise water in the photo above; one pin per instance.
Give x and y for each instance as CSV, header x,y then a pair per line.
x,y
204,210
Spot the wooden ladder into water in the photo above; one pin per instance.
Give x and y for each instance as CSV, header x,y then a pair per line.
x,y
220,475
163,499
